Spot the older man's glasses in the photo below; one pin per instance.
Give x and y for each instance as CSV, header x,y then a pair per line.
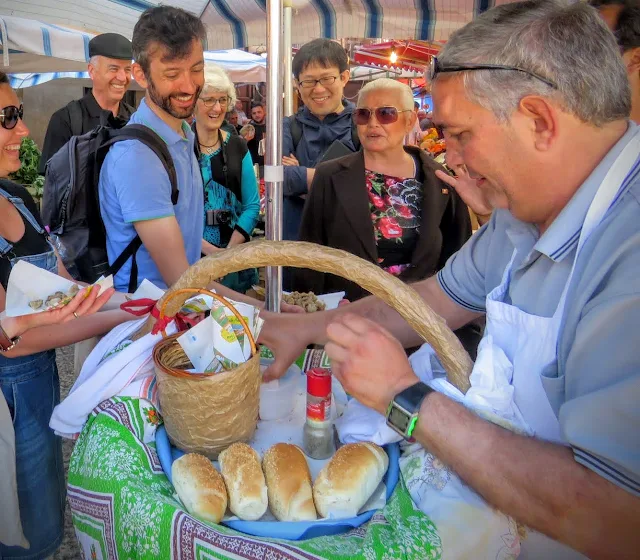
x,y
435,68
384,115
9,116
212,101
324,82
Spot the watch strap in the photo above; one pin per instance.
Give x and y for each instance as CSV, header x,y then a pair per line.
x,y
408,403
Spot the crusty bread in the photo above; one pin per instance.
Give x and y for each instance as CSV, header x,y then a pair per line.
x,y
288,483
349,479
242,473
200,487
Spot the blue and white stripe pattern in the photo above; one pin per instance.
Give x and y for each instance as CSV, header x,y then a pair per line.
x,y
232,23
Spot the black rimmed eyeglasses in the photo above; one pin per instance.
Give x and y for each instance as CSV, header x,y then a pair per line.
x,y
10,115
435,68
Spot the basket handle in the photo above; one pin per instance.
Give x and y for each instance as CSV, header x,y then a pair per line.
x,y
184,293
299,254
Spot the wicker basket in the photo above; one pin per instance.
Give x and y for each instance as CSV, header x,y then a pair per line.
x,y
206,412
195,413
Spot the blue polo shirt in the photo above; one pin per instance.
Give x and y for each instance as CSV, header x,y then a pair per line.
x,y
594,386
134,187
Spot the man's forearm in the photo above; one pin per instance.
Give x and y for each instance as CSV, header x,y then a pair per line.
x,y
55,336
376,310
536,482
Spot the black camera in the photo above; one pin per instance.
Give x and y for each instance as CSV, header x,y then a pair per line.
x,y
218,218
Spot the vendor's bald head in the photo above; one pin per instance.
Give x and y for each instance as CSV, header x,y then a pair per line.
x,y
110,67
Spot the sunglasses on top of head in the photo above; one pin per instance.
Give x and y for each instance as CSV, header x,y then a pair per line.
x,y
384,115
435,68
10,115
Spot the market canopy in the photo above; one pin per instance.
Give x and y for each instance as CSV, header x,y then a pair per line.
x,y
39,52
242,23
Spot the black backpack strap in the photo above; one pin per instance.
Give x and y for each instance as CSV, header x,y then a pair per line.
x,y
156,144
75,116
296,131
150,139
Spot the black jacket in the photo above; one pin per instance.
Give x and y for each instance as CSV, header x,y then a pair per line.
x,y
59,131
336,214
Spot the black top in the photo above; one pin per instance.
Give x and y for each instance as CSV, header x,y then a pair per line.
x,y
32,242
261,130
59,131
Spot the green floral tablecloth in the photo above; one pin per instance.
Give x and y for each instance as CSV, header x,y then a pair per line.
x,y
123,506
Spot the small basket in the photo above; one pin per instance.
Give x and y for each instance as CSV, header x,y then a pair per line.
x,y
206,412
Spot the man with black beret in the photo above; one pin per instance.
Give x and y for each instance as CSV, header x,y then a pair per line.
x,y
110,71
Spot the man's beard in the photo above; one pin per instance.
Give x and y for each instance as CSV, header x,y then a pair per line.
x,y
165,102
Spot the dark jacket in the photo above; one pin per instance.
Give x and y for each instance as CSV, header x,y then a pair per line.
x,y
253,144
317,136
60,131
337,214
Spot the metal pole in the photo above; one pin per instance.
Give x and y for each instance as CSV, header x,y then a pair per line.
x,y
273,170
288,82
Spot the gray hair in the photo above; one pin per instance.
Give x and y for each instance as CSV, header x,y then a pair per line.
x,y
406,95
568,44
216,79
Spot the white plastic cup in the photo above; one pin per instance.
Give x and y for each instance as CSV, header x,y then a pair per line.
x,y
277,397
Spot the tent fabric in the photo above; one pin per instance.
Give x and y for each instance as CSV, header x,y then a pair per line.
x,y
242,23
39,52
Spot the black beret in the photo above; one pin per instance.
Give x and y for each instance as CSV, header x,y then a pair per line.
x,y
111,45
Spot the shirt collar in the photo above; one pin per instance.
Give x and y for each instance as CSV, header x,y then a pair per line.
x,y
95,111
563,234
154,122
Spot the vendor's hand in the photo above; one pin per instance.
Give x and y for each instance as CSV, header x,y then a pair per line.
x,y
287,335
468,190
369,362
290,161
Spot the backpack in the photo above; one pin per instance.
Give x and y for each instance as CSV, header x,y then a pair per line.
x,y
296,133
71,207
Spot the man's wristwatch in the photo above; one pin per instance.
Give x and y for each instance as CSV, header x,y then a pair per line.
x,y
7,343
402,414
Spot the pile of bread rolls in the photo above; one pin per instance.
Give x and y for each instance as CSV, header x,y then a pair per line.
x,y
282,482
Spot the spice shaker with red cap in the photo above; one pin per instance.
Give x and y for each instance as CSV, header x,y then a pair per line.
x,y
318,429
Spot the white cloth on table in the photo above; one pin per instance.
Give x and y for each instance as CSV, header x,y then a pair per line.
x,y
117,366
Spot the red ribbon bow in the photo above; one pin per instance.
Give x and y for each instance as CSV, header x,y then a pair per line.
x,y
144,306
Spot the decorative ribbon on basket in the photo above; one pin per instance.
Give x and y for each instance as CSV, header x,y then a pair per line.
x,y
148,306
205,412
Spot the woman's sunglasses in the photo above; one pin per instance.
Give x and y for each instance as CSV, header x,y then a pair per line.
x,y
384,115
9,116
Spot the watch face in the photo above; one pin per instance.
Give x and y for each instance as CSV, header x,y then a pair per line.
x,y
399,419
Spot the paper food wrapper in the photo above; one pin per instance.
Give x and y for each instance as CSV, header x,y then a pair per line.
x,y
218,343
28,283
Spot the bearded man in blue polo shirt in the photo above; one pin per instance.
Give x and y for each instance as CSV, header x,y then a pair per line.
x,y
135,191
534,99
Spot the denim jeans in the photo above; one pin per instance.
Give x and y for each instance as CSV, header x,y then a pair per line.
x,y
31,388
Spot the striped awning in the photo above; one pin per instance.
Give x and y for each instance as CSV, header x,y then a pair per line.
x,y
242,23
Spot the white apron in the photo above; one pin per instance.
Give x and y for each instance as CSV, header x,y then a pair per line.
x,y
530,343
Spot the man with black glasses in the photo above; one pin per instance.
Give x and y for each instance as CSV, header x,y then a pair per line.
x,y
321,71
554,272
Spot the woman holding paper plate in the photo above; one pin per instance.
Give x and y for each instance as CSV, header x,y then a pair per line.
x,y
30,453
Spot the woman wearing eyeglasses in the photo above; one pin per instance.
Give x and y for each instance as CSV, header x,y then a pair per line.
x,y
384,203
232,202
30,452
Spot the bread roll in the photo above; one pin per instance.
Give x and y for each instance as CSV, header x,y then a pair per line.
x,y
242,473
349,479
288,483
200,487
